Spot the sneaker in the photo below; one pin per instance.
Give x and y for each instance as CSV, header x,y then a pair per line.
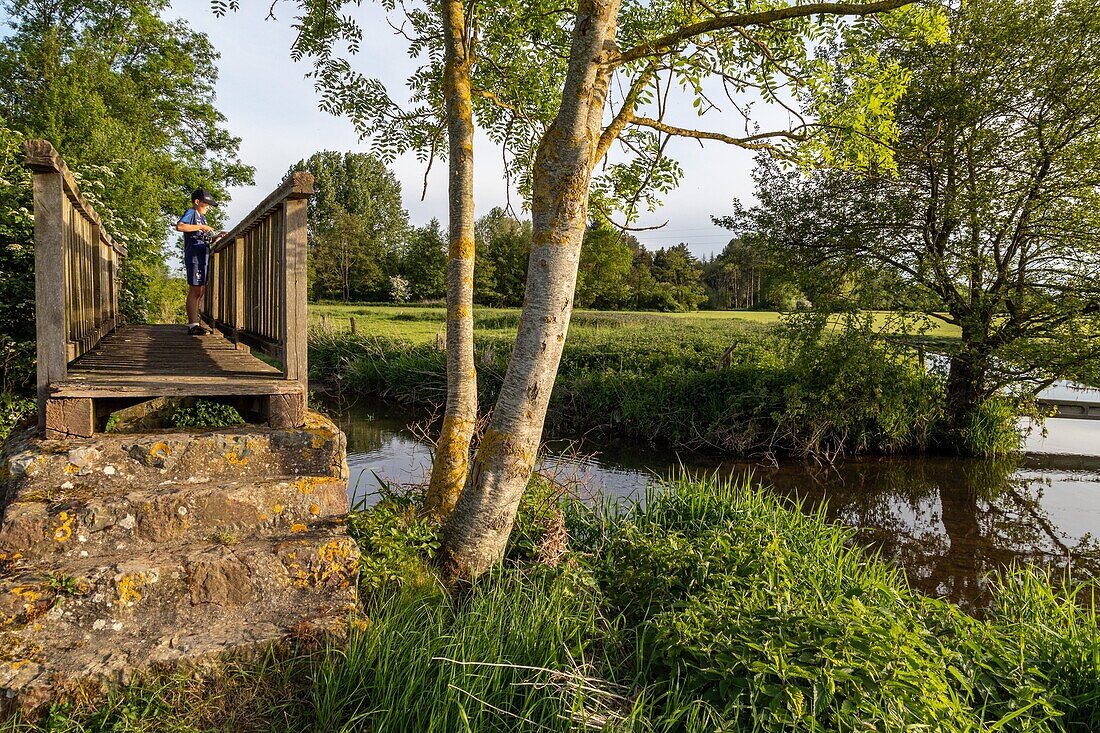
x,y
197,331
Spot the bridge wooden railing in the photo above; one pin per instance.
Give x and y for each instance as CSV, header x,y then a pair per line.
x,y
256,284
75,269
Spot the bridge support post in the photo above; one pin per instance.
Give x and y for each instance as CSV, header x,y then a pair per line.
x,y
286,410
69,417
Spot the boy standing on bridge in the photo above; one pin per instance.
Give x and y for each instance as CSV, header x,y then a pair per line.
x,y
197,238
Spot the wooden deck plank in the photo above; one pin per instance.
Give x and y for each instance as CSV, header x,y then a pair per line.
x,y
156,360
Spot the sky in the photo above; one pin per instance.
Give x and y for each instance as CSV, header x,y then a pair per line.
x,y
273,109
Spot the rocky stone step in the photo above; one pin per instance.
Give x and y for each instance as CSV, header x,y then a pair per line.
x,y
90,622
74,522
108,463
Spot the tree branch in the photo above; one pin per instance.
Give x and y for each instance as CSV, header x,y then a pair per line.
x,y
625,115
752,142
665,43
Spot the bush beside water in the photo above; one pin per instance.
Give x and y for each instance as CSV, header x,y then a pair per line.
x,y
203,414
810,387
709,607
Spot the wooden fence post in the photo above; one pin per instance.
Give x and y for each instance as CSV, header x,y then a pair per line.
x,y
50,284
295,315
238,284
351,324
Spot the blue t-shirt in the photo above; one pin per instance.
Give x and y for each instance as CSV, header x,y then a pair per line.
x,y
191,239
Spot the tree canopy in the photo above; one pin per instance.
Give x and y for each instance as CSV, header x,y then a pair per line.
x,y
357,226
992,219
586,77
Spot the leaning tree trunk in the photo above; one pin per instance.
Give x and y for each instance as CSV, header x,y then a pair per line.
x,y
474,538
452,452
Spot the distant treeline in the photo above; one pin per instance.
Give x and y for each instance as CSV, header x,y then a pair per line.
x,y
363,249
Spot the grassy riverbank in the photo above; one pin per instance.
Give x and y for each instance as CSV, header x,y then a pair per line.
x,y
811,387
710,607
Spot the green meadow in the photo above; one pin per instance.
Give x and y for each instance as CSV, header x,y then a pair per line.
x,y
422,323
738,383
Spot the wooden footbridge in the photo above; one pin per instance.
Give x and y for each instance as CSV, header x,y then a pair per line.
x,y
91,364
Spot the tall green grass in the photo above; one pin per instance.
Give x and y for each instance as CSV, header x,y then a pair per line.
x,y
711,606
770,620
512,655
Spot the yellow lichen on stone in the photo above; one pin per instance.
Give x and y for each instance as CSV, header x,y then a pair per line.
x,y
72,468
314,509
236,460
298,527
128,593
335,562
360,624
160,449
278,508
64,530
308,484
26,592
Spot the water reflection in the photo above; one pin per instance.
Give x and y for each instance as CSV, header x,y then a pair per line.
x,y
948,522
951,522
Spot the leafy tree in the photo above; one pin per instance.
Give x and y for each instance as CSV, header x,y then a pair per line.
x,y
16,266
443,100
745,274
352,259
994,214
128,100
356,225
503,246
606,259
642,48
424,264
550,108
680,271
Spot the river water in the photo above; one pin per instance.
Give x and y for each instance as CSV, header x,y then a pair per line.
x,y
947,522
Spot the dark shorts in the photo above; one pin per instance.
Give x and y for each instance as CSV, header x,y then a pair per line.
x,y
195,258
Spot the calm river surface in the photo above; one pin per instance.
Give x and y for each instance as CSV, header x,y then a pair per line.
x,y
947,522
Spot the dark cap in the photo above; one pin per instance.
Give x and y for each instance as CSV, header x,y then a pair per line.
x,y
201,194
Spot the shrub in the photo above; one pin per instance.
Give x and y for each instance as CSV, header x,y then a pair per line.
x,y
732,388
992,431
204,414
539,534
850,390
14,411
396,544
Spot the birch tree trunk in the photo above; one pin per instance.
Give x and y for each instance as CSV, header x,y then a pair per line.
x,y
451,462
475,536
